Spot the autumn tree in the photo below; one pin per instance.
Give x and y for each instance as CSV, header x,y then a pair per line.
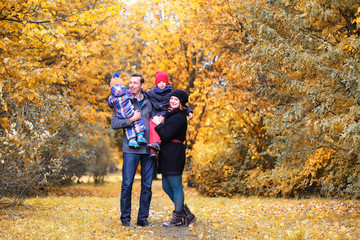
x,y
302,63
302,60
52,93
273,86
307,53
184,41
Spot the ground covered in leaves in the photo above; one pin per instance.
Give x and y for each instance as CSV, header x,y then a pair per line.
x,y
92,212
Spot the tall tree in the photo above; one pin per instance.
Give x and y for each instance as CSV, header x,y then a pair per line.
x,y
308,53
273,83
52,90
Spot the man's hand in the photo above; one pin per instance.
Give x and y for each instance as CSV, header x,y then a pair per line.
x,y
135,117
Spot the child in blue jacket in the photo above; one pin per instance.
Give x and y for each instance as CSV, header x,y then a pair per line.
x,y
120,101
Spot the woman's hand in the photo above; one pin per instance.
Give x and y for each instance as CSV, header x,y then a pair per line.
x,y
158,120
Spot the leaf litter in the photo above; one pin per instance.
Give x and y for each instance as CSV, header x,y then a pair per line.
x,y
92,212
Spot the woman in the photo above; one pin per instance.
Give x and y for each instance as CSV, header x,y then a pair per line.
x,y
172,131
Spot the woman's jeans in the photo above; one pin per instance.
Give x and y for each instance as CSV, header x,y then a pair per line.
x,y
130,163
172,186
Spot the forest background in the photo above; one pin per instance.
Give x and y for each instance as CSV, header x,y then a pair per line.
x,y
274,86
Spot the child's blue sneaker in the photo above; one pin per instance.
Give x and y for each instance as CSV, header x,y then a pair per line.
x,y
141,139
133,143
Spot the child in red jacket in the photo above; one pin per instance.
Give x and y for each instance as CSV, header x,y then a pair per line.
x,y
159,97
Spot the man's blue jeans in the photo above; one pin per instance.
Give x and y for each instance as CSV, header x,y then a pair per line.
x,y
130,163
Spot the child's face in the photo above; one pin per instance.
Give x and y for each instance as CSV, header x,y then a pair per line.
x,y
161,84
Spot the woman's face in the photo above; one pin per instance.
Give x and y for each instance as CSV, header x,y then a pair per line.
x,y
174,102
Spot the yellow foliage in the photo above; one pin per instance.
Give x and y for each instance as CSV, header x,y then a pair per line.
x,y
320,157
52,89
232,57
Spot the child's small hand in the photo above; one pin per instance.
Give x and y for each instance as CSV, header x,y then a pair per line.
x,y
190,115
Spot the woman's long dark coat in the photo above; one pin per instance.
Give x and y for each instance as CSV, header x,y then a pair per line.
x,y
172,154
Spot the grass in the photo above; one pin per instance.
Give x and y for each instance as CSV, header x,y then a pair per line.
x,y
86,211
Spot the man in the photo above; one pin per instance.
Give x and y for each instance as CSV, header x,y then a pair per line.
x,y
132,157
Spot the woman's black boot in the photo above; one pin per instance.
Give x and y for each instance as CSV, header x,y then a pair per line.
x,y
189,218
176,221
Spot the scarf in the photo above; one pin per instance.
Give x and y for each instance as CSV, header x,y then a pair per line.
x,y
164,91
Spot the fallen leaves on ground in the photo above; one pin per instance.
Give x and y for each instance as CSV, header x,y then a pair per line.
x,y
92,212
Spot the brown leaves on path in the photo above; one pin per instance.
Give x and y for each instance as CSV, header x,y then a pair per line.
x,y
92,212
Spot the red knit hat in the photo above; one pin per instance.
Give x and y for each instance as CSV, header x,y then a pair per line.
x,y
161,76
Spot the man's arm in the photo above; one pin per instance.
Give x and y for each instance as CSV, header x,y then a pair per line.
x,y
117,123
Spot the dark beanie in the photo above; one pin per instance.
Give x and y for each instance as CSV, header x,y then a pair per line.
x,y
181,95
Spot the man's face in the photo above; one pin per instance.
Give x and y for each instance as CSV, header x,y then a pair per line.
x,y
135,85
